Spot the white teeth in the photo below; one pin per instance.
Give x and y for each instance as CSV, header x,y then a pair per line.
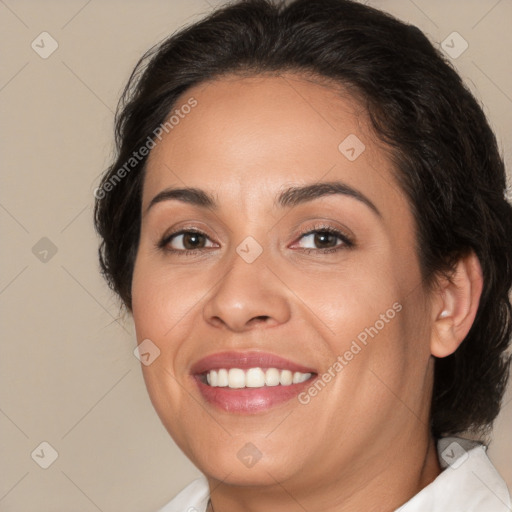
x,y
237,378
254,378
300,377
213,378
272,377
286,378
222,378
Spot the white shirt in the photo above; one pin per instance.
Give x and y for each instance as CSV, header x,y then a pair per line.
x,y
468,483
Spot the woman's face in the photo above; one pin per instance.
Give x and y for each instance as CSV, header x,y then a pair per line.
x,y
282,276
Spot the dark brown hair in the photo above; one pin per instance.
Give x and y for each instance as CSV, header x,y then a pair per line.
x,y
445,153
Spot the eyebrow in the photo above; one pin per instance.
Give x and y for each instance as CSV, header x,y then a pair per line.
x,y
287,198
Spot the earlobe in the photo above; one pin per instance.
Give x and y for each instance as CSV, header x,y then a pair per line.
x,y
455,307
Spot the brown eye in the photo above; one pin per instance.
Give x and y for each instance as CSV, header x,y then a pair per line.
x,y
184,241
192,240
326,238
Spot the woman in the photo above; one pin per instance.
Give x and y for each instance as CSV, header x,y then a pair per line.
x,y
306,219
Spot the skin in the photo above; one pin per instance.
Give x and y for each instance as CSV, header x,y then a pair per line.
x,y
363,442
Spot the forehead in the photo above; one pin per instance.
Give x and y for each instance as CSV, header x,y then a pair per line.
x,y
246,134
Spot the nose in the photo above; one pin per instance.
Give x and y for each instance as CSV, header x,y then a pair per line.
x,y
247,295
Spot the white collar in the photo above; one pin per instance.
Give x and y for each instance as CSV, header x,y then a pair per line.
x,y
468,483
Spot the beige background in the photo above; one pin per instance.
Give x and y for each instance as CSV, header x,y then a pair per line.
x,y
68,373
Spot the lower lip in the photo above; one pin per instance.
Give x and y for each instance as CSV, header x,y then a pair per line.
x,y
249,400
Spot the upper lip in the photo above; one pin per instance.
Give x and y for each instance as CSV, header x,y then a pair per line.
x,y
245,360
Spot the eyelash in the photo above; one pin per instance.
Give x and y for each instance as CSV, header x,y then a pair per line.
x,y
346,239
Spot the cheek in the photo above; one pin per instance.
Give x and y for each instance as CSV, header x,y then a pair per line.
x,y
162,299
166,306
352,298
159,312
371,323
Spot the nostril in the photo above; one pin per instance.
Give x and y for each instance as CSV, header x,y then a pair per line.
x,y
260,318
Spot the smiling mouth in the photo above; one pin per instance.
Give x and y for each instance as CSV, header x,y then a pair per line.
x,y
238,378
250,382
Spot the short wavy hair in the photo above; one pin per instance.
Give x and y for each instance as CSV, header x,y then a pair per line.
x,y
445,155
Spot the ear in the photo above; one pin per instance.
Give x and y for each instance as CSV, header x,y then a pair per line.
x,y
455,305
